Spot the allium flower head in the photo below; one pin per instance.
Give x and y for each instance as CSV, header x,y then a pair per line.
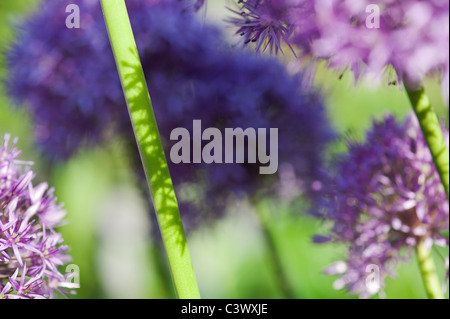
x,y
410,35
263,23
65,76
385,198
30,248
191,75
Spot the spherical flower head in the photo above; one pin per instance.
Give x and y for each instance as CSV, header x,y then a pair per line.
x,y
263,96
384,199
66,75
195,77
52,69
191,75
410,35
30,249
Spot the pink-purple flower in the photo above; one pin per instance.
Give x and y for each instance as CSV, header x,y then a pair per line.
x,y
384,199
360,35
31,249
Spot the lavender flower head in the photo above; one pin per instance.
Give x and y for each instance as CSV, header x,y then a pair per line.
x,y
410,35
191,75
30,248
385,199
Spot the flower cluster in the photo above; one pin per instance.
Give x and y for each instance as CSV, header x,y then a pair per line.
x,y
190,74
385,198
410,35
30,248
65,76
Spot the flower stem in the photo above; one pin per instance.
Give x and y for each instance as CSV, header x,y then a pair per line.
x,y
262,211
162,271
429,123
430,278
150,148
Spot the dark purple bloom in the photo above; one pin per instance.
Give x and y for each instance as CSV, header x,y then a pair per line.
x,y
192,75
30,248
384,198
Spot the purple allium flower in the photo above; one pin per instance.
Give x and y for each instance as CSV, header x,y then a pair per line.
x,y
65,76
263,23
412,35
191,75
384,199
30,248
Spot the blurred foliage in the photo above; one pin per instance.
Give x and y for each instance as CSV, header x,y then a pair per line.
x,y
229,258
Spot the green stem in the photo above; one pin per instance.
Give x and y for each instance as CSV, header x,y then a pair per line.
x,y
263,212
429,123
428,270
150,147
162,271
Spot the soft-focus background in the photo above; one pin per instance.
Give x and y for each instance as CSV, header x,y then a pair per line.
x,y
109,228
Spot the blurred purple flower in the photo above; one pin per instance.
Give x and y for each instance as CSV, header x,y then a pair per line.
x,y
191,75
384,199
412,35
30,248
198,4
65,76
